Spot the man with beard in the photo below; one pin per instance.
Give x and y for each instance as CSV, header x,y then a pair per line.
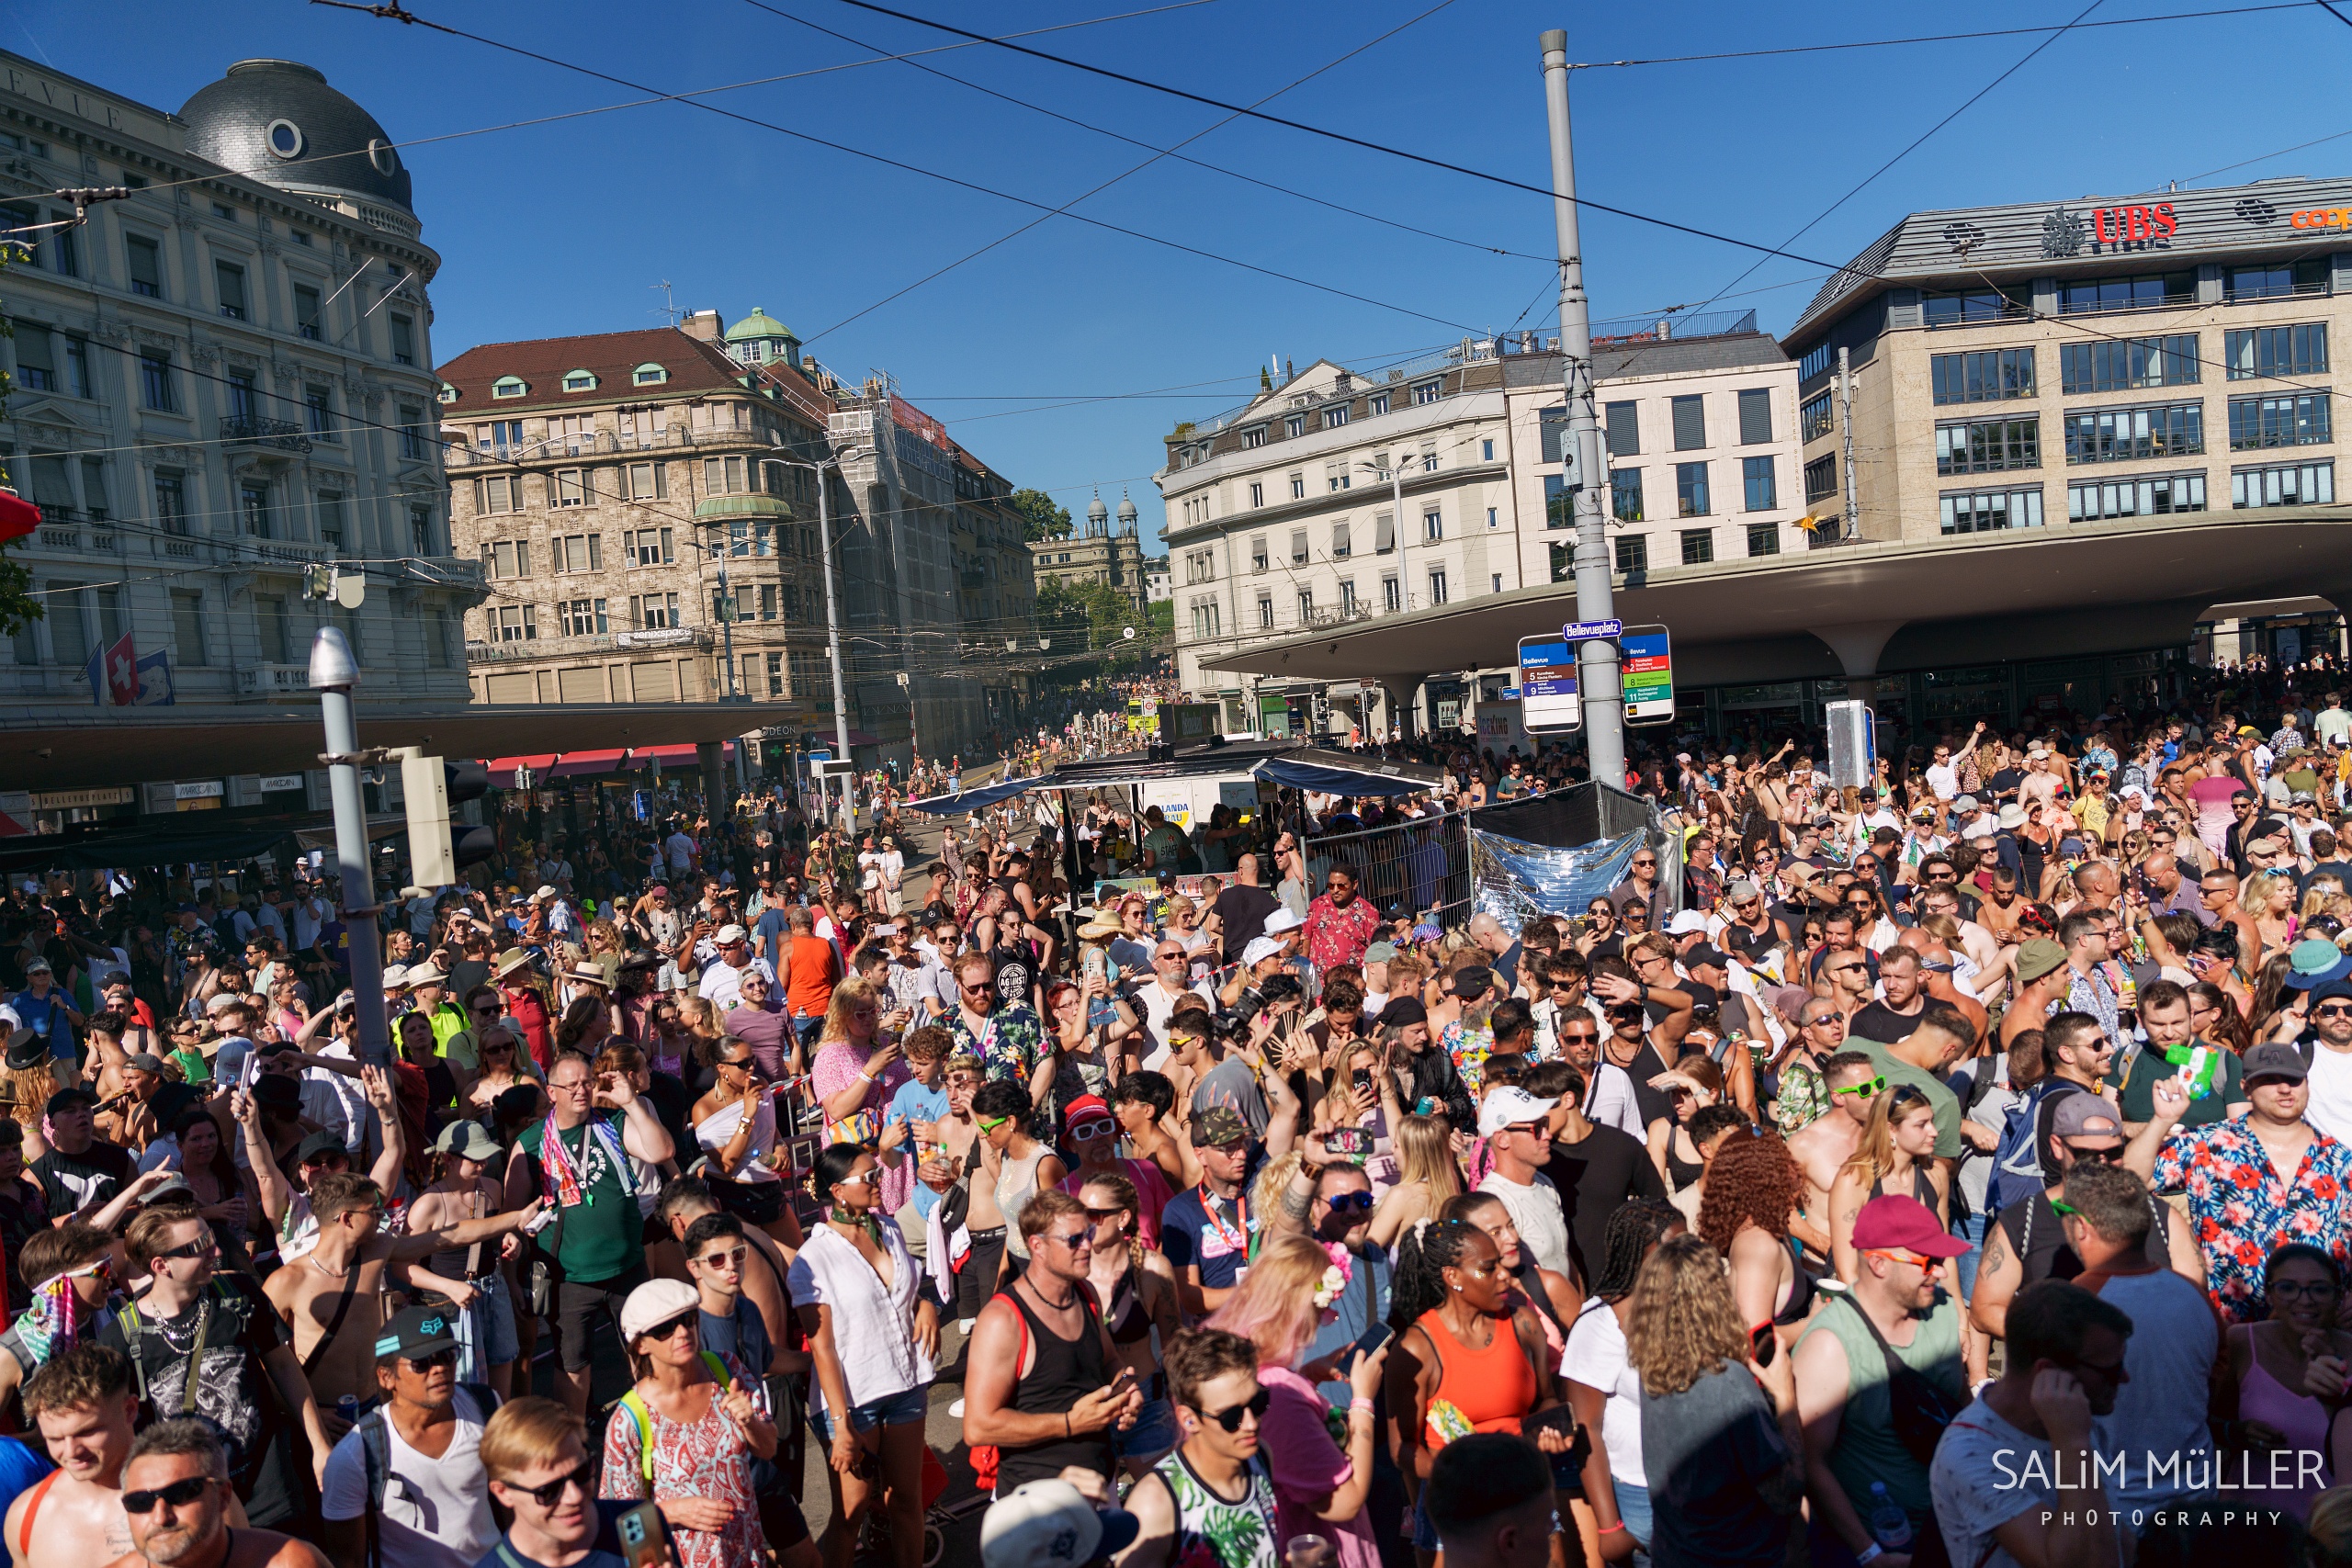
x,y
176,1491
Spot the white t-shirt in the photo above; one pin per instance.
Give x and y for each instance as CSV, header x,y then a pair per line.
x,y
2331,1086
681,851
1155,1005
723,983
1596,1357
1535,1210
1986,1473
436,1512
1609,1100
1944,779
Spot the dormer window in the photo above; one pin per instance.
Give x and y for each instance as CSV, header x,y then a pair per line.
x,y
449,394
648,376
509,387
580,382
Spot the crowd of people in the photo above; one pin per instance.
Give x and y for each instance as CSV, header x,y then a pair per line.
x,y
1955,1169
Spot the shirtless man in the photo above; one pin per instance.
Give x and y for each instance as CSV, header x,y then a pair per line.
x,y
2001,907
333,1312
175,1490
82,1403
1827,1142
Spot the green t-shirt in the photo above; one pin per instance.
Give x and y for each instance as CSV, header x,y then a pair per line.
x,y
1899,1071
603,1235
2137,1099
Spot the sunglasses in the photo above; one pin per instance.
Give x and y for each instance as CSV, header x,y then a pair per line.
x,y
668,1326
179,1494
1072,1241
1866,1089
1087,1132
2330,1010
2095,1157
204,1246
1904,1255
1229,1418
1582,1037
547,1497
1350,1202
447,1358
733,1259
990,1124
982,989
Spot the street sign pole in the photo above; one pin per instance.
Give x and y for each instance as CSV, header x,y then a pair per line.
x,y
1604,714
334,672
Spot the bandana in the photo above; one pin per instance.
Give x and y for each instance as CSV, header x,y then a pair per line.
x,y
54,1321
566,1185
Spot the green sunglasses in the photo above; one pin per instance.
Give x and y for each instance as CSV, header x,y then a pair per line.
x,y
1866,1089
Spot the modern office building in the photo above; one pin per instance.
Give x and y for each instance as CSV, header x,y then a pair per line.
x,y
219,381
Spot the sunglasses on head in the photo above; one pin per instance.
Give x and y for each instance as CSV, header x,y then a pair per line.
x,y
1230,1417
179,1494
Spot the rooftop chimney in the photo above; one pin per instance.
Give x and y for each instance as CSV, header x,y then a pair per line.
x,y
703,324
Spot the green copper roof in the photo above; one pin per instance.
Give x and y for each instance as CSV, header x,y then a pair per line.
x,y
758,324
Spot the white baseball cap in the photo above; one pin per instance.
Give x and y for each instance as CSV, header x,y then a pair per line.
x,y
1260,947
1511,1106
1050,1524
730,933
1685,921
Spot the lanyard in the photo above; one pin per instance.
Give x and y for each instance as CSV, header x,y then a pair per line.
x,y
1237,1240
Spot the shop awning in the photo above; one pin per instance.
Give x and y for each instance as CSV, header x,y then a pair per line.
x,y
1289,763
501,769
575,764
979,799
671,756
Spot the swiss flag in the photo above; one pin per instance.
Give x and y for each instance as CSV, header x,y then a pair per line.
x,y
17,515
122,673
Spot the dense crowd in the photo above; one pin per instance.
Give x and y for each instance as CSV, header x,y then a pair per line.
x,y
1956,1170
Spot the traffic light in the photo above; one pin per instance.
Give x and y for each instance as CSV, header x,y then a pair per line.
x,y
437,848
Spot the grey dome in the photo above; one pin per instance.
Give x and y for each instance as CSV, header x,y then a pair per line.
x,y
1127,512
1096,512
334,146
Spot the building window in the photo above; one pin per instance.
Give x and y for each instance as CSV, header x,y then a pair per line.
x,y
648,376
146,268
2283,484
1253,437
1432,526
254,511
1817,417
1335,417
156,381
229,282
412,437
1625,430
648,481
649,546
1429,459
1762,489
2116,436
1257,495
1348,597
2148,291
2306,276
1298,547
1691,491
1632,553
2127,362
1763,538
2293,418
171,501
1383,533
1257,552
1816,362
496,497
724,476
404,340
1984,446
566,488
1552,434
577,552
1981,378
1298,487
1987,512
240,390
331,517
2275,351
1295,425
1339,551
1265,612
1755,416
1821,478
2089,500
653,612
1377,403
422,534
1959,308
583,617
509,387
1493,517
515,623
1690,415
1698,546
1485,451
317,415
1392,595
507,558
1306,606
1428,392
1437,585
1625,494
188,627
1336,477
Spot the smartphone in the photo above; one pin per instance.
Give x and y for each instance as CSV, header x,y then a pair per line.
x,y
1763,1344
1362,1079
1367,1344
546,1217
1096,959
644,1542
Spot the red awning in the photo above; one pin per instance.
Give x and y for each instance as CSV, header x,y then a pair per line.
x,y
501,769
578,763
671,756
824,738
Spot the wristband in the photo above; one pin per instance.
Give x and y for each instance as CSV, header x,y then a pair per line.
x,y
1359,1403
1871,1555
1618,1526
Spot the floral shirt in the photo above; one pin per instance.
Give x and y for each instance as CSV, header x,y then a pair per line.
x,y
709,1459
1469,1049
1009,1042
2242,1210
1337,936
1214,1533
1803,1096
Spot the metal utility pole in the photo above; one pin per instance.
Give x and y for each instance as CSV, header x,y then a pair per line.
x,y
833,461
1852,528
727,620
914,738
334,672
1604,701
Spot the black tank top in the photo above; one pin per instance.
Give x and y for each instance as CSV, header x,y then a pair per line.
x,y
1065,1371
2040,1241
1922,1188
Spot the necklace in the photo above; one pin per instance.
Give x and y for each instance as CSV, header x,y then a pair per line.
x,y
1062,1306
311,1258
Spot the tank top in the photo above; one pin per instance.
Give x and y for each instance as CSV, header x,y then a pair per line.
x,y
2040,1241
1868,1448
1493,1387
1922,1189
1016,1183
1065,1371
1682,1172
2301,1417
1128,1321
1244,1533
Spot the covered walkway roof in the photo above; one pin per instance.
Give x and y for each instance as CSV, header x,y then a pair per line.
x,y
1852,610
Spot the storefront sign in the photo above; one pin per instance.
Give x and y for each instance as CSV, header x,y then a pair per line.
x,y
79,799
1649,675
272,784
201,789
2322,217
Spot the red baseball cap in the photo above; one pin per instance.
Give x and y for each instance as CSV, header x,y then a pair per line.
x,y
1899,1222
1086,1107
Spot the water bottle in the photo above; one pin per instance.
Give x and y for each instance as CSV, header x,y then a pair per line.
x,y
1889,1526
347,1406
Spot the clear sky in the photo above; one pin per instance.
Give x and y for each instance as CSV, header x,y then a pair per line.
x,y
1063,354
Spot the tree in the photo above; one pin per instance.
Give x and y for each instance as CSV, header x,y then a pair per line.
x,y
1040,518
19,608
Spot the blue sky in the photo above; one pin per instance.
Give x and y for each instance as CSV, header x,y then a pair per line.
x,y
567,226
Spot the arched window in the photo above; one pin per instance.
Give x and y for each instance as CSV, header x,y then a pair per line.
x,y
580,382
509,387
648,376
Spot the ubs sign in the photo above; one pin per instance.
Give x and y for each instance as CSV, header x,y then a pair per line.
x,y
2138,228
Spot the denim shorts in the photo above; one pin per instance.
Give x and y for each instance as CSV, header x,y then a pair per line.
x,y
908,1406
1153,1434
1634,1508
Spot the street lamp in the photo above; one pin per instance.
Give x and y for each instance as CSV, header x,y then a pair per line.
x,y
727,617
334,672
833,460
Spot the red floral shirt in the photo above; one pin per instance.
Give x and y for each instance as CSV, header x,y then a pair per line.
x,y
1336,936
2242,1210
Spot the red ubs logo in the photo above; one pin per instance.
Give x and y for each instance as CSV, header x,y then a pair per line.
x,y
2129,225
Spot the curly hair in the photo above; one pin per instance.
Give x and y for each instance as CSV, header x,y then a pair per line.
x,y
1684,1324
1423,1255
1752,1180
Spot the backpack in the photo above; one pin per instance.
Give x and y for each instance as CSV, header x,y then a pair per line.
x,y
2017,1163
634,1403
376,1460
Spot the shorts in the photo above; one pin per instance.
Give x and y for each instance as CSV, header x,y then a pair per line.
x,y
576,1305
1153,1434
1634,1508
1969,1228
486,1336
906,1406
975,1282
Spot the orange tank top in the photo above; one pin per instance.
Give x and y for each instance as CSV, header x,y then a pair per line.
x,y
1493,1387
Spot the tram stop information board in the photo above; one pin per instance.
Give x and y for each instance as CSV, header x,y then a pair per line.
x,y
1548,698
1648,666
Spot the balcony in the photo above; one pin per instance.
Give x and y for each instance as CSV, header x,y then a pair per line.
x,y
550,647
461,453
274,680
248,431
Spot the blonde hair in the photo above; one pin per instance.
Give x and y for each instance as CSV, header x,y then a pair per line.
x,y
1425,1154
33,1087
1873,1153
846,997
525,1433
2329,1529
1274,1180
1275,1307
1682,1324
2254,896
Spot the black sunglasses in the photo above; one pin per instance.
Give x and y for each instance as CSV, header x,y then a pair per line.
x,y
668,1326
446,1357
547,1497
179,1494
1229,1418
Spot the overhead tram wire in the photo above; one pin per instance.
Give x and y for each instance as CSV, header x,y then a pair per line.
x,y
1504,180
396,13
1915,145
1936,38
1157,154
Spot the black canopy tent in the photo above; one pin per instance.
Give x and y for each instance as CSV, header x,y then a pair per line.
x,y
141,842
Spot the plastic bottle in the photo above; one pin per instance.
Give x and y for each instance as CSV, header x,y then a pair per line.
x,y
347,1406
1889,1526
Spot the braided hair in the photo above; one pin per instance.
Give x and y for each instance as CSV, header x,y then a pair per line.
x,y
1423,1254
1632,1230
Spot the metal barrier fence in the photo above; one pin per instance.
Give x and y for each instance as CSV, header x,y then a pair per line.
x,y
1422,864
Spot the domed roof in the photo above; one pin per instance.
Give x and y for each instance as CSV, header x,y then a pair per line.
x,y
278,121
1096,512
759,324
1127,509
